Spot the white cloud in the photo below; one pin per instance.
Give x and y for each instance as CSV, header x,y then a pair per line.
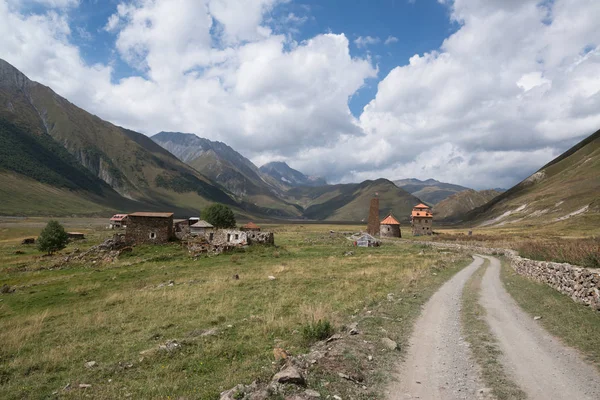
x,y
390,40
364,41
514,85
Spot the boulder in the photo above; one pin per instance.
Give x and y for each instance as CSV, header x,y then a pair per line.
x,y
289,375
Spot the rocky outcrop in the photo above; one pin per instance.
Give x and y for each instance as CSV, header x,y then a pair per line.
x,y
581,284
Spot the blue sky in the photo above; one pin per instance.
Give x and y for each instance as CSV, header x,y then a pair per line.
x,y
478,93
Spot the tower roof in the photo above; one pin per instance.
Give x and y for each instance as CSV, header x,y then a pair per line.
x,y
389,220
421,205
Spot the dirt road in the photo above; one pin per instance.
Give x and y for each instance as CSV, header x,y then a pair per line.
x,y
541,365
439,364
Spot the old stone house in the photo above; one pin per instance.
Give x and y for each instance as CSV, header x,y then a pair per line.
x,y
422,220
390,227
150,227
118,221
202,228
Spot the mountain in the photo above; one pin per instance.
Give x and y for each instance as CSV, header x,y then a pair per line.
x,y
350,202
563,192
286,176
42,131
230,169
456,206
430,190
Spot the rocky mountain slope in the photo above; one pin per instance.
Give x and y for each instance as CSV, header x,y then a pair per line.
x,y
94,150
285,176
430,190
564,192
454,208
230,169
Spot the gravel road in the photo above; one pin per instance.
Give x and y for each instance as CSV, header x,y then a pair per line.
x,y
438,364
541,365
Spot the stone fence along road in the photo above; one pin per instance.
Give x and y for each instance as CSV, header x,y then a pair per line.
x,y
581,284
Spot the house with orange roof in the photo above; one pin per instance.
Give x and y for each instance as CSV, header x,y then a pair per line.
x,y
250,226
421,219
390,227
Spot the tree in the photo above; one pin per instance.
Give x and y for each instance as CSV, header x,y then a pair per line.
x,y
52,238
219,216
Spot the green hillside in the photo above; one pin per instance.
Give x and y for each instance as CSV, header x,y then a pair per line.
x,y
350,202
563,193
430,190
68,147
455,207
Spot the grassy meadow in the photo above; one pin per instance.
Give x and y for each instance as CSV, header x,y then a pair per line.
x,y
60,317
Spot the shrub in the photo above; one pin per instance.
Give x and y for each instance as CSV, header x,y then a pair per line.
x,y
315,331
52,238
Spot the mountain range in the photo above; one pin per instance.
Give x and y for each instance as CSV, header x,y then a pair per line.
x,y
58,159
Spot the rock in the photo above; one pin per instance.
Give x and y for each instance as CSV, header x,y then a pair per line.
x,y
370,358
7,289
289,375
337,336
537,317
348,253
336,397
84,386
390,296
390,344
91,364
260,395
28,241
271,277
312,393
169,346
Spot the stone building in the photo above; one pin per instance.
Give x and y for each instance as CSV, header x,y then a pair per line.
x,y
250,227
118,221
149,227
390,227
202,228
421,220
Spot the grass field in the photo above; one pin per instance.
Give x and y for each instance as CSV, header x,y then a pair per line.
x,y
59,319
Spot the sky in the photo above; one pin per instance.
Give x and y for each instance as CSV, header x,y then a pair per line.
x,y
477,93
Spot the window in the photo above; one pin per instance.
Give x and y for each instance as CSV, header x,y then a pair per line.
x,y
152,235
237,236
229,237
211,236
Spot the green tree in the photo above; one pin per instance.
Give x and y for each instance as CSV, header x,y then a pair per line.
x,y
52,238
219,216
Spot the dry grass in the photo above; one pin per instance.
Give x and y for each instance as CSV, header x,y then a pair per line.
x,y
583,252
57,320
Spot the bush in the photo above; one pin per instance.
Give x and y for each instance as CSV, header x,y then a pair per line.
x,y
313,332
219,216
52,238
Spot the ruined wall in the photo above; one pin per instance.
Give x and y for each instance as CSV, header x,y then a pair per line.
x,y
581,284
149,229
390,231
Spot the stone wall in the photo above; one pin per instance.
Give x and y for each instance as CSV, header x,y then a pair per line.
x,y
422,226
390,231
149,229
581,284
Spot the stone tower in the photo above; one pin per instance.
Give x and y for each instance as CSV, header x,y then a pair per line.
x,y
373,226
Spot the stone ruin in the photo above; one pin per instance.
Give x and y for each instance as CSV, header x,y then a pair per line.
x,y
373,226
224,240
